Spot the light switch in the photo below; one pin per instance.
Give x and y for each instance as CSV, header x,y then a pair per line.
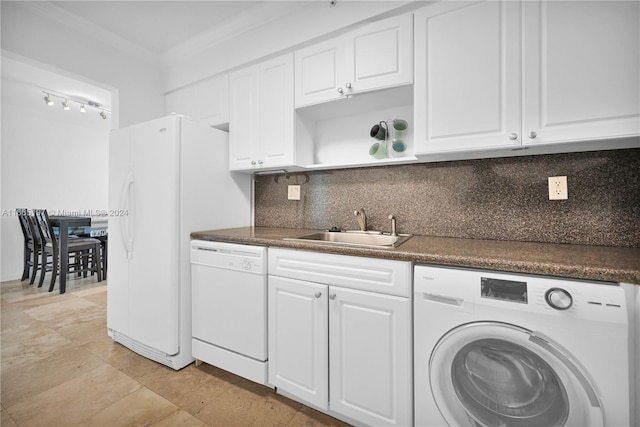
x,y
294,192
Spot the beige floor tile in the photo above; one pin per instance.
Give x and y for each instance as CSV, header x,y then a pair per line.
x,y
308,417
28,379
83,330
140,408
104,347
137,367
30,344
60,368
22,295
6,420
57,311
99,299
249,405
102,289
179,419
41,298
205,382
73,402
13,318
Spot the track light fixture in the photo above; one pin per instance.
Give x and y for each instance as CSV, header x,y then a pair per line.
x,y
83,104
47,100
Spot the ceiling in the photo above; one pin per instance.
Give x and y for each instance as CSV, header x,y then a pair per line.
x,y
152,27
160,26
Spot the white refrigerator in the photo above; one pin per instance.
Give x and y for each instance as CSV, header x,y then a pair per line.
x,y
167,178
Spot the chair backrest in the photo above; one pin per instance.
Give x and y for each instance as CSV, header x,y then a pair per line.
x,y
45,228
23,215
34,230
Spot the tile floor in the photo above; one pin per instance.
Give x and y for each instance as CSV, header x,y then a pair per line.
x,y
59,368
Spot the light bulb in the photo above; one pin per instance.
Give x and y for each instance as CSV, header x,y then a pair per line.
x,y
82,109
48,100
65,105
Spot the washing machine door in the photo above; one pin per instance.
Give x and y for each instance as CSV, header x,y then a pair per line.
x,y
498,374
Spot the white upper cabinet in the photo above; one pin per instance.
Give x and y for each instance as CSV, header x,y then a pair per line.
x,y
467,83
207,101
581,70
320,72
261,116
376,56
276,112
579,80
380,55
243,118
213,100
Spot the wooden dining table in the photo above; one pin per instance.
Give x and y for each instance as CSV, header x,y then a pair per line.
x,y
64,223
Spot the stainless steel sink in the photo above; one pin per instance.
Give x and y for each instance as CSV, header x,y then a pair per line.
x,y
354,238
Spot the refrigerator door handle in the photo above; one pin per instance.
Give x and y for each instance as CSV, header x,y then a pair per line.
x,y
125,230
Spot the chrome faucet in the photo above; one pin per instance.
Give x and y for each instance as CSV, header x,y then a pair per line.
x,y
361,217
393,225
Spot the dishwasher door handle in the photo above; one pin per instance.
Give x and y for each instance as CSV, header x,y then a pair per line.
x,y
200,248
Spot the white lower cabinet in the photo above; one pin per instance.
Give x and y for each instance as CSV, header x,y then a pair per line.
x,y
298,334
369,337
344,351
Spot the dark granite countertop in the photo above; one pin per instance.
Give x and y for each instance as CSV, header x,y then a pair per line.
x,y
604,263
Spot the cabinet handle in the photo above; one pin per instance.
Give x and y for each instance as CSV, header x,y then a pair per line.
x,y
253,162
340,90
532,135
513,136
318,294
332,296
348,85
259,162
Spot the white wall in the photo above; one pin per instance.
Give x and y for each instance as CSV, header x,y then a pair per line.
x,y
51,159
29,30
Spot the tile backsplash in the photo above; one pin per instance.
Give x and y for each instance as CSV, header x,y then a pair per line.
x,y
501,199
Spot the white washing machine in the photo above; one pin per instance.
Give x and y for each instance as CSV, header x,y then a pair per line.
x,y
501,349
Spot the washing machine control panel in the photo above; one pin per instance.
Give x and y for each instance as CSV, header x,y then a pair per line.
x,y
558,298
504,290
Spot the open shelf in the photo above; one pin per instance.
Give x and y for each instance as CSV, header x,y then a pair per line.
x,y
338,131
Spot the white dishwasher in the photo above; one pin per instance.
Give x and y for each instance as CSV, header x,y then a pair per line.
x,y
229,307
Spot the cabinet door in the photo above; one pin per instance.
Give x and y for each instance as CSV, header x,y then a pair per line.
x,y
213,100
380,55
298,338
370,357
319,72
243,119
581,70
467,82
182,101
276,112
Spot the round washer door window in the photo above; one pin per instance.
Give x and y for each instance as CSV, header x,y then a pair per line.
x,y
497,374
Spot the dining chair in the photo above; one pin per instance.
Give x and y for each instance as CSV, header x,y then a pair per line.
x,y
32,245
85,250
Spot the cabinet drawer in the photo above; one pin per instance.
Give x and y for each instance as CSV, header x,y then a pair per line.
x,y
368,274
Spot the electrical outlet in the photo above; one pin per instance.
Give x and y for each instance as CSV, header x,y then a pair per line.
x,y
558,188
294,192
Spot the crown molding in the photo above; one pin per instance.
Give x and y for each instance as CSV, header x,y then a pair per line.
x,y
247,21
53,12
